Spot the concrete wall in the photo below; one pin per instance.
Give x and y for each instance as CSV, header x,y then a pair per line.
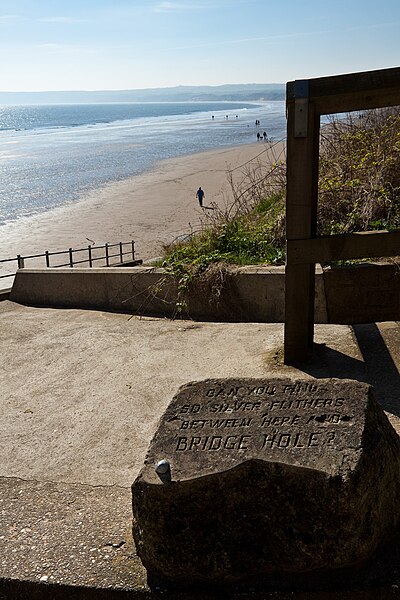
x,y
248,293
363,293
256,294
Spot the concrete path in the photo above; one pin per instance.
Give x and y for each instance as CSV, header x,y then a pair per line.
x,y
81,395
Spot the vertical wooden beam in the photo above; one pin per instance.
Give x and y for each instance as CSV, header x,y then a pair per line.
x,y
301,220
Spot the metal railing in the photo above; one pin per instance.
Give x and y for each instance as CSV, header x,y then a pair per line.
x,y
91,251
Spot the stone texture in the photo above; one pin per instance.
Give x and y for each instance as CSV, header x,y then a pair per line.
x,y
270,479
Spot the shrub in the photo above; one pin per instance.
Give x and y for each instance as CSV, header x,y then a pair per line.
x,y
359,182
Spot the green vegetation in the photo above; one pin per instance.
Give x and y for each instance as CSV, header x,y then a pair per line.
x,y
246,239
359,190
359,183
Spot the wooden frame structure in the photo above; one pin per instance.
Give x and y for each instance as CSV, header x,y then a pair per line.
x,y
306,101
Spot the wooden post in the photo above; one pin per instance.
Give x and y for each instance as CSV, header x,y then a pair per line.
x,y
121,254
107,257
47,258
71,258
301,219
90,255
306,101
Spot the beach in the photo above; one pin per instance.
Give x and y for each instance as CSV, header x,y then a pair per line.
x,y
152,208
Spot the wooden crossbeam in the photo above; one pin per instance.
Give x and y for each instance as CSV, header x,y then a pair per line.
x,y
355,91
368,244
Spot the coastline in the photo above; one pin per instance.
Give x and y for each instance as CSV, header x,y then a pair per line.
x,y
152,208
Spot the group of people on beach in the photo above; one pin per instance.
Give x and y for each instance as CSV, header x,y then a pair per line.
x,y
226,117
260,136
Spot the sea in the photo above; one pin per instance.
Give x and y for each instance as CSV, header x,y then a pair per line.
x,y
52,155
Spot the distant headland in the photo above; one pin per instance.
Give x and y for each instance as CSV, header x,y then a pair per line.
x,y
182,93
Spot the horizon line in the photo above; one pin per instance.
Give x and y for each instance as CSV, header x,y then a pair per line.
x,y
122,90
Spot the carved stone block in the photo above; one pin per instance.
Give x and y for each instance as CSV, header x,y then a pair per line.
x,y
268,478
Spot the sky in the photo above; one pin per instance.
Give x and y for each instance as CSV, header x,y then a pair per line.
x,y
135,44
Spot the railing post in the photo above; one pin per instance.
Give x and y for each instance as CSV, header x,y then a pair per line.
x,y
71,258
121,256
133,250
107,259
47,258
21,262
90,255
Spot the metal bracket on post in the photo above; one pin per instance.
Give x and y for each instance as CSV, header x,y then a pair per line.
x,y
300,108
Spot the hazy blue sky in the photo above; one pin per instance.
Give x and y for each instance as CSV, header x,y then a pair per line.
x,y
127,44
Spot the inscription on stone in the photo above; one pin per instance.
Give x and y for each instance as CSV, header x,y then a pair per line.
x,y
273,478
295,422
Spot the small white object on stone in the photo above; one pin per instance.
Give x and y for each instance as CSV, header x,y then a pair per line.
x,y
163,470
163,467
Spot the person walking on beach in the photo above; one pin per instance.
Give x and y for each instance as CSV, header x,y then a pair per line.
x,y
200,195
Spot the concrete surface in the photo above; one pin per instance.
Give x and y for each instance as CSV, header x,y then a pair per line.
x,y
81,394
55,533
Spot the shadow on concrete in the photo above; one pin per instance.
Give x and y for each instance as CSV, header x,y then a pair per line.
x,y
377,366
327,362
382,371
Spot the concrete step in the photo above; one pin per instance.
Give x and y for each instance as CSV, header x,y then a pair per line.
x,y
67,540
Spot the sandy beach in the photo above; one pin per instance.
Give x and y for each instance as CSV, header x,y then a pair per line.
x,y
152,208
